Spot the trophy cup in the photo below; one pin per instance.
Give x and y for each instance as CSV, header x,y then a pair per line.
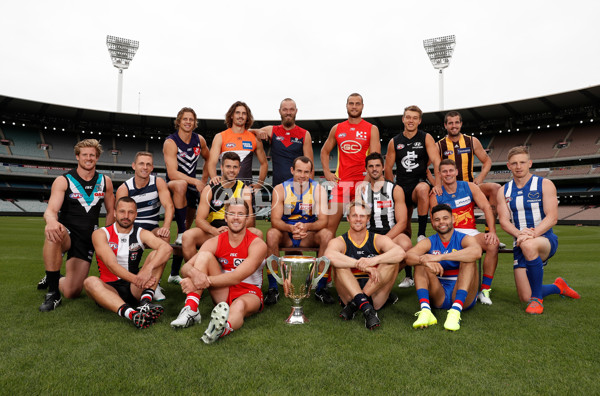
x,y
298,276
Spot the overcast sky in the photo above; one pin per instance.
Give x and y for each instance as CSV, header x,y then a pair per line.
x,y
208,54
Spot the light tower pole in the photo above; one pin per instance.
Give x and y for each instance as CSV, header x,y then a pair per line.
x,y
440,51
121,52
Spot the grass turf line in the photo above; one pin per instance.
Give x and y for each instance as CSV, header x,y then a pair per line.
x,y
81,348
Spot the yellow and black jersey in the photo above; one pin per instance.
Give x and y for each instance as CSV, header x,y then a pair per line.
x,y
460,152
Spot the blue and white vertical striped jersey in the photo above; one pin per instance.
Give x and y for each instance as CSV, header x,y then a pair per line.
x,y
147,201
525,204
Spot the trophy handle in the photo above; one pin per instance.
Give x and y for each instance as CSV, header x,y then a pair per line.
x,y
327,263
270,259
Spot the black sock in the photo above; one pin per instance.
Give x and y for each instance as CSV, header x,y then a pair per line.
x,y
408,270
176,265
422,224
52,277
147,296
362,302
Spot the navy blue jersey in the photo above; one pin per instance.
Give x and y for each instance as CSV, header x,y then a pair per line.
x,y
286,146
187,155
147,201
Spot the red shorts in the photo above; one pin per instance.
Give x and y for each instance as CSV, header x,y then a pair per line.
x,y
343,191
240,289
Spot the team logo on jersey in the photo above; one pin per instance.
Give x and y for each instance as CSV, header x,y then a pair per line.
x,y
247,145
223,261
384,204
508,199
280,138
237,261
196,150
351,147
436,252
98,194
533,195
230,145
342,135
448,153
113,245
216,202
75,195
133,256
408,162
361,135
399,146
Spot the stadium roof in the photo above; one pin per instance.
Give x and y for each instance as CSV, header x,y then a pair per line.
x,y
573,104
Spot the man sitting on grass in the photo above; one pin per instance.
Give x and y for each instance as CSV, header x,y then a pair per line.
x,y
445,270
122,285
232,275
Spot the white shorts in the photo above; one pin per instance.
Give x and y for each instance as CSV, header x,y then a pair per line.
x,y
468,231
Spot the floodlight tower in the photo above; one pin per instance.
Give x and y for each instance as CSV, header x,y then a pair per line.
x,y
121,52
440,51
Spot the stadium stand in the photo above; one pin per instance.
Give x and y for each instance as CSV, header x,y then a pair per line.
x,y
31,205
25,141
7,206
155,146
565,211
583,141
61,145
543,143
501,143
571,171
591,213
127,148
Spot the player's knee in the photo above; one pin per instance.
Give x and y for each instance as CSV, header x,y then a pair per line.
x,y
256,232
91,283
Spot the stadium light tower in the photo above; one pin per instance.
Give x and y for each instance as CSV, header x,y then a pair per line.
x,y
440,51
121,52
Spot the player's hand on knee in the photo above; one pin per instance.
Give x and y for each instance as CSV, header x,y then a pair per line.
x,y
54,232
434,267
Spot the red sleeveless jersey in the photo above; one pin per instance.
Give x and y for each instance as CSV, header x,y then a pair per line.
x,y
353,142
231,257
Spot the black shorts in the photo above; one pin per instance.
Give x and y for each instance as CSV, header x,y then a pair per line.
x,y
124,289
81,244
408,191
192,197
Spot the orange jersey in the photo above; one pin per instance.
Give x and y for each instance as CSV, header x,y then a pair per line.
x,y
244,145
353,142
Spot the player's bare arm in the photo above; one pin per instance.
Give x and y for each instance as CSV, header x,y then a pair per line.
x,y
470,252
308,151
264,165
205,153
400,213
335,252
504,215
203,211
277,210
434,156
486,161
325,152
550,203
391,253
215,152
264,133
374,143
259,251
481,201
164,197
54,230
390,159
321,209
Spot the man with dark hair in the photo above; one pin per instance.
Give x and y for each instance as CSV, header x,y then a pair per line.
x,y
445,270
411,151
354,139
181,151
288,141
149,192
231,274
527,210
298,219
71,217
366,266
122,284
462,149
210,217
462,197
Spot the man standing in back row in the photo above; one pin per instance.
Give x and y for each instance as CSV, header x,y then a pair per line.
x,y
355,139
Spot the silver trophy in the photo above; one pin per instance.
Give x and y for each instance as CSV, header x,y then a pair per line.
x,y
298,276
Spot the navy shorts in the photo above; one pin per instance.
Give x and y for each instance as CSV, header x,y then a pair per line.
x,y
448,285
124,289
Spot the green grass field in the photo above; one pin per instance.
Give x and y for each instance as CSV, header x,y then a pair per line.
x,y
83,349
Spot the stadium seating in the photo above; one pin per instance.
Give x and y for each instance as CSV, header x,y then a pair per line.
x,y
31,205
543,143
583,142
588,214
571,171
7,206
25,141
502,143
61,145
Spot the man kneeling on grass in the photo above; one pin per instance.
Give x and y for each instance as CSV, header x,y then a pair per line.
x,y
445,268
122,285
232,275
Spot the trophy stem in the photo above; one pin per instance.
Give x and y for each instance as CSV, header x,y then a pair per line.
x,y
296,316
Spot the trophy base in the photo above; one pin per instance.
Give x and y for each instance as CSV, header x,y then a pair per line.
x,y
297,316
